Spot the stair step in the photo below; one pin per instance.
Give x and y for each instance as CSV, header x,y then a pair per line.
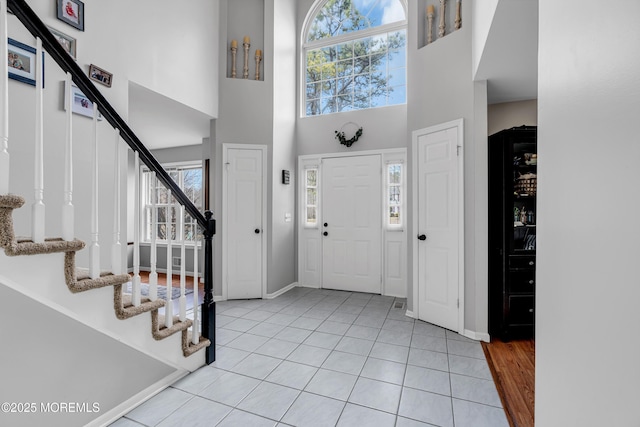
x,y
160,331
124,307
188,348
78,279
25,246
8,203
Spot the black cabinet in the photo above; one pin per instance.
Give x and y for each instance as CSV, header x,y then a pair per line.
x,y
513,163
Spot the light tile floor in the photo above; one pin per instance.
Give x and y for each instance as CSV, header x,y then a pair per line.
x,y
329,358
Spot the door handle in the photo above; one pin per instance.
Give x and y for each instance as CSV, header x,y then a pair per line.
x,y
422,237
325,234
257,231
326,225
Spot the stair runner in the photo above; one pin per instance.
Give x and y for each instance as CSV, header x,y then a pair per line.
x,y
78,279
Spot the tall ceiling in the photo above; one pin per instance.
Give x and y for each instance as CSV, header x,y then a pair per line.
x,y
509,60
161,122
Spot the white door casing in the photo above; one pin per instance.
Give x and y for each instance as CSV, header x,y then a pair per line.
x,y
439,225
351,223
244,219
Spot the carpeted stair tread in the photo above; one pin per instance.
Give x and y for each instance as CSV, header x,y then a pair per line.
x,y
124,307
188,348
160,331
25,246
78,279
11,201
105,279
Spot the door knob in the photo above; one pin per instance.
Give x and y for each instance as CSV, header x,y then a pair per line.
x,y
257,231
325,234
422,237
326,225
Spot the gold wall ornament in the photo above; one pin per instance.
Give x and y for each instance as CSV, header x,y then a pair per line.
x,y
246,45
430,14
441,27
234,51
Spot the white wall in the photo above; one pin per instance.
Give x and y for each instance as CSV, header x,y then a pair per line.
x,y
441,90
68,371
587,342
260,112
282,248
142,49
483,12
506,115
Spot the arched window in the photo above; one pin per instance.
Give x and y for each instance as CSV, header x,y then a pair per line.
x,y
354,54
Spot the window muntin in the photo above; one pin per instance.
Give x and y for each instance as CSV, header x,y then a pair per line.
x,y
395,196
344,73
189,179
346,16
311,197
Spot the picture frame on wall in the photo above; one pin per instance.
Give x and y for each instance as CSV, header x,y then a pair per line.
x,y
71,12
80,103
66,41
99,75
22,60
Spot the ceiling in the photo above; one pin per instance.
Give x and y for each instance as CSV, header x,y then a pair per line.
x,y
162,122
509,61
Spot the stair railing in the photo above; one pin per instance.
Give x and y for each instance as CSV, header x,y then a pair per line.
x,y
48,43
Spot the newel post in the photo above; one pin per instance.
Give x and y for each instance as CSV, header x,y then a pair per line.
x,y
208,305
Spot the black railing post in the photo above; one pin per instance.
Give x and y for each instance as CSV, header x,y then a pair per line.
x,y
208,305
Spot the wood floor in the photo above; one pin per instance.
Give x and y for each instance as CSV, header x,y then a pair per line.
x,y
512,365
175,280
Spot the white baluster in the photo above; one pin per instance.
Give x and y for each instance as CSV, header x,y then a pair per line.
x,y
135,283
116,246
94,249
168,308
4,94
153,275
68,211
38,208
183,272
195,335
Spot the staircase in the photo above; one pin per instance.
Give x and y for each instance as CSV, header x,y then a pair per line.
x,y
195,336
78,280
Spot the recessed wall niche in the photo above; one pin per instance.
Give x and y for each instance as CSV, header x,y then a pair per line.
x,y
245,21
448,19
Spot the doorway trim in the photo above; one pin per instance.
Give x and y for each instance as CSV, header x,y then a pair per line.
x,y
225,208
459,125
394,281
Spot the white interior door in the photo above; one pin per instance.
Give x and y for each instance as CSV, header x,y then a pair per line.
x,y
351,223
244,222
439,226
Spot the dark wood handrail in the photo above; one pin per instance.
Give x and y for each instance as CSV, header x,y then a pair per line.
x,y
38,29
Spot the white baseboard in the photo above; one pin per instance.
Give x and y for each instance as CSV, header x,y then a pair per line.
x,y
303,285
478,336
281,291
137,399
218,298
409,313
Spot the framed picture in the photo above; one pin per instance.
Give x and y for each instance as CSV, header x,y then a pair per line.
x,y
22,60
67,42
99,75
80,103
72,13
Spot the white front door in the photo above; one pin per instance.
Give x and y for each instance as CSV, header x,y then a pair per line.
x,y
351,223
244,222
439,225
